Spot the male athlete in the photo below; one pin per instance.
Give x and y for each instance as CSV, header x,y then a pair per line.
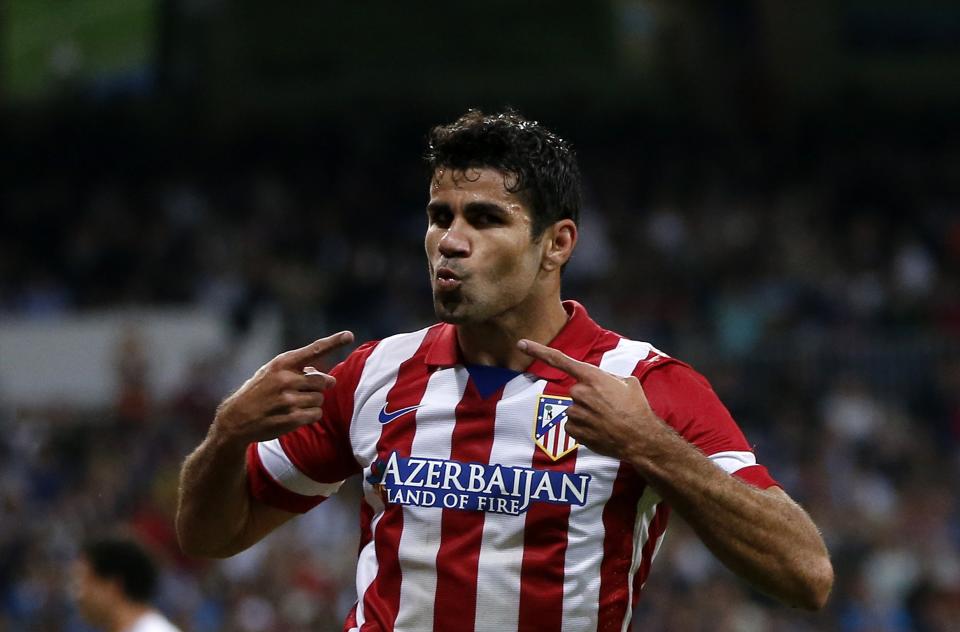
x,y
519,461
113,581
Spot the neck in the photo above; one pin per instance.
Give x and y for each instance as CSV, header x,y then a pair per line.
x,y
494,342
125,614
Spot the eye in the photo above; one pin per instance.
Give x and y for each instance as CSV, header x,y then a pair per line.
x,y
488,219
439,217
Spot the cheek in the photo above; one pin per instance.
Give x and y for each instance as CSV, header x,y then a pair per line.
x,y
527,260
430,248
517,266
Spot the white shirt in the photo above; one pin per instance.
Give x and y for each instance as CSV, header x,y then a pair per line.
x,y
153,621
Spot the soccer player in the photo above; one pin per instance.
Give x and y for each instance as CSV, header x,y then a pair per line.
x,y
113,582
519,461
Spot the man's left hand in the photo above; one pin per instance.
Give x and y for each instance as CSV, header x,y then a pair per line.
x,y
609,414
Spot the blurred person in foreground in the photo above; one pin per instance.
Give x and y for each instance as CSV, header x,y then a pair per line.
x,y
519,461
113,583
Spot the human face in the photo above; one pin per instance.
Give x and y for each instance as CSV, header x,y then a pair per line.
x,y
93,595
481,254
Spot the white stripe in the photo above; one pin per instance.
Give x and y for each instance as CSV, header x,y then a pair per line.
x,y
656,550
283,471
420,539
581,568
733,460
377,378
581,572
367,565
562,445
501,545
622,361
646,511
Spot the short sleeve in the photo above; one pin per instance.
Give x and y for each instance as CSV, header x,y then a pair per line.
x,y
685,400
301,469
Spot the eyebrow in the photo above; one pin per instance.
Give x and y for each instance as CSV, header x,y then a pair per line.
x,y
475,208
472,208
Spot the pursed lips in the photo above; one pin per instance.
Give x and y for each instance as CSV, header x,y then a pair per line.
x,y
447,279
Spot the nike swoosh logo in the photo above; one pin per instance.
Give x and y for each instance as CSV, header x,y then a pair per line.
x,y
386,417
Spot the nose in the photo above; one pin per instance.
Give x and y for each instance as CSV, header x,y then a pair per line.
x,y
453,243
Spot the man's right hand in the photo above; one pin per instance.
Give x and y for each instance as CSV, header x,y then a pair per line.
x,y
284,394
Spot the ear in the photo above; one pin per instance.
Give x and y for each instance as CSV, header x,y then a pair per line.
x,y
559,241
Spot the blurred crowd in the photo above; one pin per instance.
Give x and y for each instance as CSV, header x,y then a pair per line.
x,y
826,315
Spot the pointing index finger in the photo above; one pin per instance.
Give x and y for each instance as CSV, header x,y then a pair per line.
x,y
580,371
296,358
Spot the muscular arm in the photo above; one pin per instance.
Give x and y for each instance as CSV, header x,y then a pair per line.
x,y
762,535
216,516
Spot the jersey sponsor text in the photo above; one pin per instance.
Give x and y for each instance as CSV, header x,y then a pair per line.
x,y
441,483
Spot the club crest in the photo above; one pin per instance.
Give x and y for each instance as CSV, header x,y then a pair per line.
x,y
550,426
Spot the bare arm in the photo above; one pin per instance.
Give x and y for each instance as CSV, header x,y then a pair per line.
x,y
762,535
216,516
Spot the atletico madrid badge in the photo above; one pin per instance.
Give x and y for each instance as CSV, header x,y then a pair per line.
x,y
550,426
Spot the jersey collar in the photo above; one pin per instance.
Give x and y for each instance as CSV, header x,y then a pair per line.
x,y
575,339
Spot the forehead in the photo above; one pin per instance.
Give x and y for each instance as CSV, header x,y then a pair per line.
x,y
474,184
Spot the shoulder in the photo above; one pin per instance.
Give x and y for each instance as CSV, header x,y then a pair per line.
x,y
153,621
622,356
388,351
404,344
673,388
377,362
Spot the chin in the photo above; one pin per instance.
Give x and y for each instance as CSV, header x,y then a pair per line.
x,y
450,316
453,312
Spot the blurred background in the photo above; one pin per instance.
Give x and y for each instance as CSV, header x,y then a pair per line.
x,y
188,187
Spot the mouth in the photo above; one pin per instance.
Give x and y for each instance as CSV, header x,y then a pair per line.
x,y
446,280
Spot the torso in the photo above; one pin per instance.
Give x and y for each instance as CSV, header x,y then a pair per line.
x,y
496,514
479,512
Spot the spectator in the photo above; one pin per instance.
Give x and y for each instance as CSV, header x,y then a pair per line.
x,y
114,580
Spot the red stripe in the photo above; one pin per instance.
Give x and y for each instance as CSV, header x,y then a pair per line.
x,y
381,601
351,620
348,378
366,534
545,530
366,519
619,519
654,532
756,475
544,551
322,450
264,488
461,531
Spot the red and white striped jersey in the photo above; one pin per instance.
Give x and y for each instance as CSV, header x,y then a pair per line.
x,y
479,511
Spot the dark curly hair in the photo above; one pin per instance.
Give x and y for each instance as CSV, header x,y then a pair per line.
x,y
542,166
125,561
